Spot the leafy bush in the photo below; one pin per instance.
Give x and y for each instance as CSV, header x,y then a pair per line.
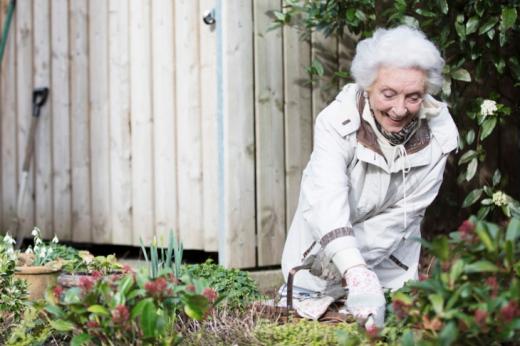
x,y
122,309
13,292
473,294
236,287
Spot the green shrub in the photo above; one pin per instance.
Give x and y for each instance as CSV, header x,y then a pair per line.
x,y
473,294
236,287
127,308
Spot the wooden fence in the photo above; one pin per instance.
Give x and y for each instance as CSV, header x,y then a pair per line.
x,y
156,121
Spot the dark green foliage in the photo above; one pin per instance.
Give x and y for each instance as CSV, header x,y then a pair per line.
x,y
473,294
236,286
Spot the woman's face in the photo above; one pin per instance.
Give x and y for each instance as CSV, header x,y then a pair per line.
x,y
396,96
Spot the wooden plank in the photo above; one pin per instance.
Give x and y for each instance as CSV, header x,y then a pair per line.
x,y
298,115
324,49
8,125
269,118
237,234
80,141
43,139
99,120
120,155
164,118
141,121
60,98
189,147
208,92
24,88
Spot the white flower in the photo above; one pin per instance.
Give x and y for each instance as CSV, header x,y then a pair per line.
x,y
41,253
29,250
9,240
55,240
500,198
36,232
37,241
488,107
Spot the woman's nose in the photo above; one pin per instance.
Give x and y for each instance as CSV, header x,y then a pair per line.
x,y
399,108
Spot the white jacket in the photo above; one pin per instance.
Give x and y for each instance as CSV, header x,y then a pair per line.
x,y
352,202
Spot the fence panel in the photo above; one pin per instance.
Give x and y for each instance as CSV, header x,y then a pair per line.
x,y
156,121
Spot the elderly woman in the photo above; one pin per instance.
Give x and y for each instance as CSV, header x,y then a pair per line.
x,y
380,149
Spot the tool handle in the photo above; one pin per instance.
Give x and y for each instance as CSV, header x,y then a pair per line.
x,y
39,99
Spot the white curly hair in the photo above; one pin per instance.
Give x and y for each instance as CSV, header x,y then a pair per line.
x,y
402,47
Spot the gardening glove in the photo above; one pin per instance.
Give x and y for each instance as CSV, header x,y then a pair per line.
x,y
365,301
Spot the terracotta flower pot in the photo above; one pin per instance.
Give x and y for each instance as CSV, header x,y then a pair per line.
x,y
38,279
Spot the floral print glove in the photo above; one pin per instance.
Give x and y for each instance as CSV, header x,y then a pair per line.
x,y
365,301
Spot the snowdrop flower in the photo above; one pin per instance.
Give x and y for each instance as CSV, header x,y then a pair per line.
x,y
29,250
9,240
55,240
36,232
488,107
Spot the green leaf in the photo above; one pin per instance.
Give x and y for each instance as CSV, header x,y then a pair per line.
x,y
513,230
62,325
444,6
98,310
472,169
195,306
508,17
488,25
80,339
440,248
460,28
456,269
461,74
137,310
471,198
470,136
149,319
54,310
407,339
437,301
467,156
509,248
484,236
480,267
448,334
472,25
497,177
487,127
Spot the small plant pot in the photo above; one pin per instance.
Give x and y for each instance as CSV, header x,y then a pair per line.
x,y
38,279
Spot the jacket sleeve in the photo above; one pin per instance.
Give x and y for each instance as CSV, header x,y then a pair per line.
x,y
383,232
325,188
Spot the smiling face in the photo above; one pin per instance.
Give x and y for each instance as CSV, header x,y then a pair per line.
x,y
396,96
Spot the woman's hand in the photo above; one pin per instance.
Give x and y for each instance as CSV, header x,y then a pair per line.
x,y
365,296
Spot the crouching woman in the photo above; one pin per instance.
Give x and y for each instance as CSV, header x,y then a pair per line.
x,y
380,149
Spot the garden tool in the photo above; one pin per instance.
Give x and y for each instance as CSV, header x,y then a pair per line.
x,y
38,100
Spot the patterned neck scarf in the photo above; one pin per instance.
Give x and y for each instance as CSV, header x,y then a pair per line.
x,y
402,136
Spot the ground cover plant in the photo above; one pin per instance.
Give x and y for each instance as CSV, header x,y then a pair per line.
x,y
236,286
